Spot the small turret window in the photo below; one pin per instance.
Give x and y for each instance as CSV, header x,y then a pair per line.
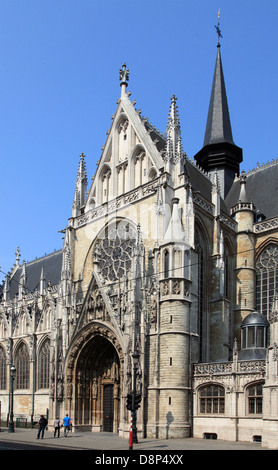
x,y
254,331
166,263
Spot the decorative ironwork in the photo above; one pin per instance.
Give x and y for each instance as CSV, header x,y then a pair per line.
x,y
217,27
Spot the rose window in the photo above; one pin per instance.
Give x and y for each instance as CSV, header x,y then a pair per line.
x,y
115,252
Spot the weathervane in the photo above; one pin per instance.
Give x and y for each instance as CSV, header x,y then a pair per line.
x,y
218,29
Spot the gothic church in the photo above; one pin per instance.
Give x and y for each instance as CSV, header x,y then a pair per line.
x,y
166,282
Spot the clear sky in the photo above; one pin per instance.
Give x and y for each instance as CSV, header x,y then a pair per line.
x,y
59,84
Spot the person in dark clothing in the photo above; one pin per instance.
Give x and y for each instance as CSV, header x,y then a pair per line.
x,y
42,426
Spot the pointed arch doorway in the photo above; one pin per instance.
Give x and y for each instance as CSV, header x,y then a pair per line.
x,y
97,386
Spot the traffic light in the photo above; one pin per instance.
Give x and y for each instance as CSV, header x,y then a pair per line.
x,y
129,401
137,400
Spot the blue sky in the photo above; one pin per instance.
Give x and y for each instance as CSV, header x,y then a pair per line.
x,y
59,83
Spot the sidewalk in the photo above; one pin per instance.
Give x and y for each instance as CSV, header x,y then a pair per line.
x,y
112,442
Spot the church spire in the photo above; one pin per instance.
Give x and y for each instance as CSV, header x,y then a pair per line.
x,y
219,150
218,128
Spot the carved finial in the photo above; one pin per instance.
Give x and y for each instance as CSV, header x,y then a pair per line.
x,y
124,75
17,255
215,182
242,194
243,177
174,151
82,174
235,347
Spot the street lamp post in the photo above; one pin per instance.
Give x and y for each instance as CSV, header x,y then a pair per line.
x,y
11,421
134,414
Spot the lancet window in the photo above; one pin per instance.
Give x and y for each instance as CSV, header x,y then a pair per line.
x,y
139,167
199,268
43,365
166,263
105,183
267,278
3,370
22,364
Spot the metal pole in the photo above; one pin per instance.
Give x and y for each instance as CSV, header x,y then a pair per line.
x,y
130,435
134,420
11,422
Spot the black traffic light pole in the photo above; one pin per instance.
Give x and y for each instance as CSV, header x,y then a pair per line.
x,y
133,403
135,400
133,410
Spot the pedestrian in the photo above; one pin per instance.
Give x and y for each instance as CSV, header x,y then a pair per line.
x,y
42,426
66,423
57,425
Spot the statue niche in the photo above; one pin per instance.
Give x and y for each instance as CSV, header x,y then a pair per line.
x,y
96,309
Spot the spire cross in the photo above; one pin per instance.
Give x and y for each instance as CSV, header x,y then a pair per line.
x,y
174,99
218,30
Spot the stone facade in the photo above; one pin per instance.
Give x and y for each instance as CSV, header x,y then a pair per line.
x,y
164,262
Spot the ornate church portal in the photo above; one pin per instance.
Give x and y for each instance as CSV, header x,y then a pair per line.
x,y
94,383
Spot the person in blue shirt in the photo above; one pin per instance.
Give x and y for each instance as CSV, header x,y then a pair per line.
x,y
66,423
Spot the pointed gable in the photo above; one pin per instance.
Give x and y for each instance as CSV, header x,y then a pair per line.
x,y
130,155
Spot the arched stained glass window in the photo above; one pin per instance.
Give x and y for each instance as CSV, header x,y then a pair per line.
x,y
3,370
200,274
43,365
267,278
22,365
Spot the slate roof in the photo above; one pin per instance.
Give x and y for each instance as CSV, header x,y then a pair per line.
x,y
261,189
198,179
52,264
